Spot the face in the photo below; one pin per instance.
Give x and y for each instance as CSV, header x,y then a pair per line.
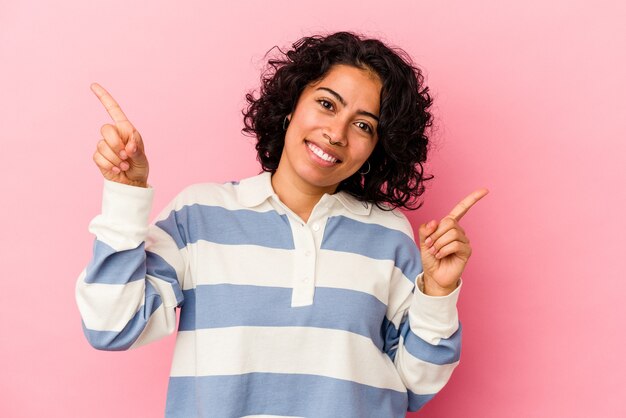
x,y
332,131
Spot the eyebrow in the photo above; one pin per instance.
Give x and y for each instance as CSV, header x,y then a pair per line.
x,y
343,102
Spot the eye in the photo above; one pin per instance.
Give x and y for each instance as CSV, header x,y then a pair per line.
x,y
364,126
326,104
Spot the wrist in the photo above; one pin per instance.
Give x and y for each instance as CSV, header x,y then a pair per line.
x,y
431,288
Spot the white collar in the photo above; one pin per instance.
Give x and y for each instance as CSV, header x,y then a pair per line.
x,y
253,191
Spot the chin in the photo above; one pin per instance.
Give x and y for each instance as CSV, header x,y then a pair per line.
x,y
318,179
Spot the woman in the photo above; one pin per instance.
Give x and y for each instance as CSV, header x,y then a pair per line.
x,y
297,287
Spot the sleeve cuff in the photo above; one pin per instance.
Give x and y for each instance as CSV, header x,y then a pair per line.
x,y
434,317
124,204
124,221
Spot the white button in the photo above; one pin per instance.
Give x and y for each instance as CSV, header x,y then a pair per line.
x,y
315,227
305,280
307,253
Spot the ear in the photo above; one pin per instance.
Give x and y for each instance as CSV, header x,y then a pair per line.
x,y
286,121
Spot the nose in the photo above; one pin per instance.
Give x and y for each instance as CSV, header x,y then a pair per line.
x,y
335,133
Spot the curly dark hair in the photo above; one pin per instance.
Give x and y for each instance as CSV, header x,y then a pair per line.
x,y
396,176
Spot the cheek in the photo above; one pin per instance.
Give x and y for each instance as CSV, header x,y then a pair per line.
x,y
307,120
365,150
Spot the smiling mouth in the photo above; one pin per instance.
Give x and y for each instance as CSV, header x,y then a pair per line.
x,y
321,154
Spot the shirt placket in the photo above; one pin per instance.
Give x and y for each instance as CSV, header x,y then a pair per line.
x,y
303,280
307,239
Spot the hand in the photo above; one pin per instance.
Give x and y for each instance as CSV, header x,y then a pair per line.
x,y
445,248
120,155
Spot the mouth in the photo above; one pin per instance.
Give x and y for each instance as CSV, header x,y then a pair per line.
x,y
321,156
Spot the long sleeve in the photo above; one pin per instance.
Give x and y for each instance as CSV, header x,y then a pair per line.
x,y
128,293
422,333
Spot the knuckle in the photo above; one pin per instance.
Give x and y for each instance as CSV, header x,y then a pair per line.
x,y
448,222
102,145
100,160
110,133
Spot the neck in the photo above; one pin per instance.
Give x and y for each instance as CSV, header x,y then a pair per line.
x,y
298,196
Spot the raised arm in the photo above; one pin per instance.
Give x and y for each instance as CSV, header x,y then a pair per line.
x,y
423,333
129,290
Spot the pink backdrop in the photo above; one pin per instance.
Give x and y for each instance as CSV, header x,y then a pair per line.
x,y
529,103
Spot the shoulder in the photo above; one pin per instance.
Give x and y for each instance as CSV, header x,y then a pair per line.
x,y
393,219
381,215
208,193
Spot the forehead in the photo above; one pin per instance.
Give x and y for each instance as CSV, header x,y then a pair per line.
x,y
344,72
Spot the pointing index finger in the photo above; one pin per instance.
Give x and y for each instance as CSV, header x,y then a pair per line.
x,y
464,205
110,104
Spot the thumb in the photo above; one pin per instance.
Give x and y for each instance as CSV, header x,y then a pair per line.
x,y
425,230
132,146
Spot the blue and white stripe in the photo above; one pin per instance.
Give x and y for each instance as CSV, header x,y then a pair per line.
x,y
229,257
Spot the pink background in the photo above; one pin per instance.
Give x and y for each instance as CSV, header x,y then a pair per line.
x,y
529,103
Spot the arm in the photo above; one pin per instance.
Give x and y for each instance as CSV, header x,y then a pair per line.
x,y
424,340
422,332
128,292
430,333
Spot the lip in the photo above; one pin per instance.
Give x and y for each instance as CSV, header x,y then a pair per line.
x,y
325,149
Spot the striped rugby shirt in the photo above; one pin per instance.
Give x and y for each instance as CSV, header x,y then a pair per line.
x,y
278,317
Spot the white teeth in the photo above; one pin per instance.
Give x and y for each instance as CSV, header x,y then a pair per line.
x,y
317,151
